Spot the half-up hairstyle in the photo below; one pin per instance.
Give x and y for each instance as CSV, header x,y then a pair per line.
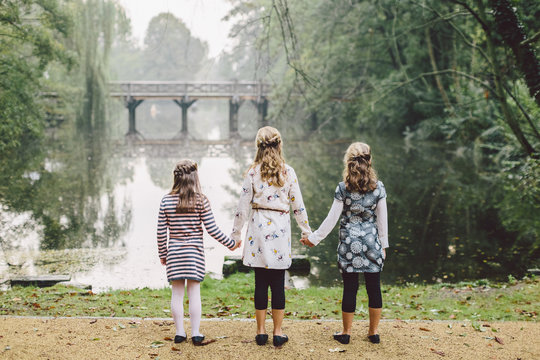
x,y
187,186
358,174
269,156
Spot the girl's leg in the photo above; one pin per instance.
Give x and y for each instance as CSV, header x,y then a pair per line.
x,y
373,287
277,285
177,306
261,298
348,302
195,311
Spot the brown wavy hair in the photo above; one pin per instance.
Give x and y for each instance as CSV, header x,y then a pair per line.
x,y
186,185
358,174
269,156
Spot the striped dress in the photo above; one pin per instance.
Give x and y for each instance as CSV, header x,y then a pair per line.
x,y
184,250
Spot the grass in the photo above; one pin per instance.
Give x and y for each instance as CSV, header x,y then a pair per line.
x,y
233,298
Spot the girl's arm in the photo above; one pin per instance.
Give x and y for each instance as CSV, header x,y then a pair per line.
x,y
328,223
297,203
244,207
207,218
162,231
382,222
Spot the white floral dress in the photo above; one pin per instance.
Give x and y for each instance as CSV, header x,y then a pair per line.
x,y
266,209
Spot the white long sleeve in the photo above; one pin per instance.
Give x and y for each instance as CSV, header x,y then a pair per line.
x,y
382,222
328,223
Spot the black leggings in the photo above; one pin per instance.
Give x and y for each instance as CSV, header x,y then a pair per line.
x,y
276,280
350,288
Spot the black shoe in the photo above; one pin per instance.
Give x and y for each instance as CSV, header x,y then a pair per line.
x,y
342,338
179,338
280,340
374,338
261,339
197,340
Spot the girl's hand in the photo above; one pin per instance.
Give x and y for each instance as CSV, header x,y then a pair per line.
x,y
305,241
384,254
163,261
237,245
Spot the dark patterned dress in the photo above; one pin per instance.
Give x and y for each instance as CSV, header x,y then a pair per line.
x,y
359,248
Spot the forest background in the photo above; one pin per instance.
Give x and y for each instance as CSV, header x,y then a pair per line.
x,y
463,73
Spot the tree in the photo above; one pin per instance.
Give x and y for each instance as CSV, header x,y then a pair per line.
x,y
171,52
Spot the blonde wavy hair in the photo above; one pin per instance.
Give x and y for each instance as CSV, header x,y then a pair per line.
x,y
358,174
186,185
269,156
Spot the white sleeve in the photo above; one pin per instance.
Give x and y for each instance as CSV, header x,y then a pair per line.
x,y
382,222
328,223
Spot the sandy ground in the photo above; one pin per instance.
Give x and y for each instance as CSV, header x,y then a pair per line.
x,y
121,338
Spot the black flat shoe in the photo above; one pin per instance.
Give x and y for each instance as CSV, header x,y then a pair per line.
x,y
375,339
280,340
261,339
342,338
197,340
179,339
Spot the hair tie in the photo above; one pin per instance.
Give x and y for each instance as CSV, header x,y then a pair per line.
x,y
364,157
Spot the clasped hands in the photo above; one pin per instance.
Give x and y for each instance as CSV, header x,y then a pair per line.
x,y
237,245
305,241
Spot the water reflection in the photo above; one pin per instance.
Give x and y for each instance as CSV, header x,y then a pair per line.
x,y
99,201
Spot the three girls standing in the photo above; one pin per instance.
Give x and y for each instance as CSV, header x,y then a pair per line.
x,y
270,189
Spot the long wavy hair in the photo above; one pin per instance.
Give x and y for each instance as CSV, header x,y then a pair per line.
x,y
186,185
269,156
358,174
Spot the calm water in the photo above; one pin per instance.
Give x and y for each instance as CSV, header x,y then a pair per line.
x,y
88,206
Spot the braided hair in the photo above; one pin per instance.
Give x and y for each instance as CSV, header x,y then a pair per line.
x,y
358,174
269,156
186,185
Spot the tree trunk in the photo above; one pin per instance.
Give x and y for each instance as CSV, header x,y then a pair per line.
x,y
509,28
499,88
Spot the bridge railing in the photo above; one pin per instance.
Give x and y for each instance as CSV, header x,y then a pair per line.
x,y
192,89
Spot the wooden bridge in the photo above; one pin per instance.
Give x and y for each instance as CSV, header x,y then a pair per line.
x,y
184,94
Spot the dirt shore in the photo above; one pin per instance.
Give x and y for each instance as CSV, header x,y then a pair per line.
x,y
121,338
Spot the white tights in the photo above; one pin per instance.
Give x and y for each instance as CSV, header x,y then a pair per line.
x,y
177,306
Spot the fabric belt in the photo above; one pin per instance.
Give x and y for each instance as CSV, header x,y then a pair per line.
x,y
261,208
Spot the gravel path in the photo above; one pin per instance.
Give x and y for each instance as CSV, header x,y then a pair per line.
x,y
121,338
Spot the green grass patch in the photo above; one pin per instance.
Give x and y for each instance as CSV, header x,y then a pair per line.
x,y
232,297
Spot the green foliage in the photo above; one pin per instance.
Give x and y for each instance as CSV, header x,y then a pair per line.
x,y
30,39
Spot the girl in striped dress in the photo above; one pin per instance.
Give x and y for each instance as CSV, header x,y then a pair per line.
x,y
182,213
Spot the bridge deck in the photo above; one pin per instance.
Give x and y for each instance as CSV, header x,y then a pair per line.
x,y
193,90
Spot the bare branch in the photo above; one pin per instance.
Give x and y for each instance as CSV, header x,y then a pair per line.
x,y
473,13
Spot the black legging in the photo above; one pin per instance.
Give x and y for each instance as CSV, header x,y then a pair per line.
x,y
350,288
276,280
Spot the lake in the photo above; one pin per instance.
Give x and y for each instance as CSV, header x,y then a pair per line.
x,y
87,204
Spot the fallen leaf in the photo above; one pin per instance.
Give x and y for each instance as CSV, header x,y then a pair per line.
x,y
499,340
206,342
93,321
438,352
175,349
168,338
245,341
424,329
337,350
156,344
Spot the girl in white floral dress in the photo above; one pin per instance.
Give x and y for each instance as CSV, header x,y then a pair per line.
x,y
269,190
360,201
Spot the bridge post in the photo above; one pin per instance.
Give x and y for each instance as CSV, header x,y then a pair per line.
x,y
185,103
132,104
262,110
234,106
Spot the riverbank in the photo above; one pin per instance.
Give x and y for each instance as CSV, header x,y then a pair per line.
x,y
126,338
232,297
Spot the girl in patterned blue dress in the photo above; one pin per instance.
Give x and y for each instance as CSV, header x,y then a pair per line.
x,y
360,201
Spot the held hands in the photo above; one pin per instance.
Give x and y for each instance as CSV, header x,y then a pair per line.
x,y
305,241
237,245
